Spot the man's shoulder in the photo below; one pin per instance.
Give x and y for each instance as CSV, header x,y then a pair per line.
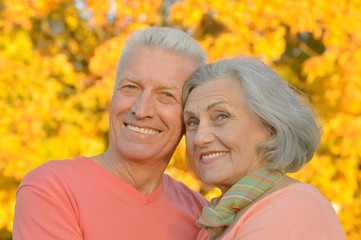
x,y
49,172
175,183
182,191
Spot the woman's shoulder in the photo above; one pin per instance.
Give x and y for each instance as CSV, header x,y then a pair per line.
x,y
298,198
297,194
296,209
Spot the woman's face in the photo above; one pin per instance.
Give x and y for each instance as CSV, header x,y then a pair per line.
x,y
222,135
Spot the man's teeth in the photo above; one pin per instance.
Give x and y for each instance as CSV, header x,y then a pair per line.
x,y
213,155
141,130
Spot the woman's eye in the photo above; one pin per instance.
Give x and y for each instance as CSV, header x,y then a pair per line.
x,y
191,122
221,116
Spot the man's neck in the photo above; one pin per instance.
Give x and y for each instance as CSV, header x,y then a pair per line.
x,y
143,176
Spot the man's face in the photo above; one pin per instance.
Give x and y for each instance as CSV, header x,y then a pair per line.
x,y
146,110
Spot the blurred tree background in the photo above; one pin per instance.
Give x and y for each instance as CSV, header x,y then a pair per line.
x,y
57,67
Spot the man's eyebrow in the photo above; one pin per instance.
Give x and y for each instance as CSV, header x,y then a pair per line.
x,y
133,80
168,86
139,82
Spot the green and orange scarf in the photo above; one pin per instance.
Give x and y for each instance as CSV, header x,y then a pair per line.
x,y
222,210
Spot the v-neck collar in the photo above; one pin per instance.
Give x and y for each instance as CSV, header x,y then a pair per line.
x,y
111,178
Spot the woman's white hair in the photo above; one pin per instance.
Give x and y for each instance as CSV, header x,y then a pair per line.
x,y
169,39
294,129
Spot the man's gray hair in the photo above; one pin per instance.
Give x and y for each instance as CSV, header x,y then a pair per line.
x,y
172,40
291,122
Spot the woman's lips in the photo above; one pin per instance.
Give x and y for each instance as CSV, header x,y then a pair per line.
x,y
208,158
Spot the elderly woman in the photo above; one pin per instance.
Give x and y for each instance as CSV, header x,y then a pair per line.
x,y
245,129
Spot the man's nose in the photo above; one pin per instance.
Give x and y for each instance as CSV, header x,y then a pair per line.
x,y
144,105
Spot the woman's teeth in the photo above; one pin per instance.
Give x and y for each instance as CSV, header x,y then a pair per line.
x,y
213,155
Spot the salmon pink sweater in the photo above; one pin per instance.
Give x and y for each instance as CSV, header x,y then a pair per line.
x,y
77,199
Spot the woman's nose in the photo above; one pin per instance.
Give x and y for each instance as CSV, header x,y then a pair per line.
x,y
204,135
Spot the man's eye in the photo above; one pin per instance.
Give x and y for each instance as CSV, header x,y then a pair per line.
x,y
168,94
129,89
167,98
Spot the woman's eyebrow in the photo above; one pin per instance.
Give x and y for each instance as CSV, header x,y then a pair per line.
x,y
215,104
209,107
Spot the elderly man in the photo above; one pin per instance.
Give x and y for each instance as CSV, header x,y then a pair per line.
x,y
123,193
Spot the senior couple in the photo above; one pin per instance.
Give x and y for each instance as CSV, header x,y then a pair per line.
x,y
245,130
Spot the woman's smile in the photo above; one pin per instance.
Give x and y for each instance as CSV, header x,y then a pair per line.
x,y
208,158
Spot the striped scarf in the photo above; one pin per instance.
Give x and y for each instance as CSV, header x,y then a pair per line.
x,y
222,210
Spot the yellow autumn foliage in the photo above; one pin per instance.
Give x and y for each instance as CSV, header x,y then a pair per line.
x,y
58,60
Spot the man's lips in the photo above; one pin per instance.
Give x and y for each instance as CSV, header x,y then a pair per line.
x,y
141,129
